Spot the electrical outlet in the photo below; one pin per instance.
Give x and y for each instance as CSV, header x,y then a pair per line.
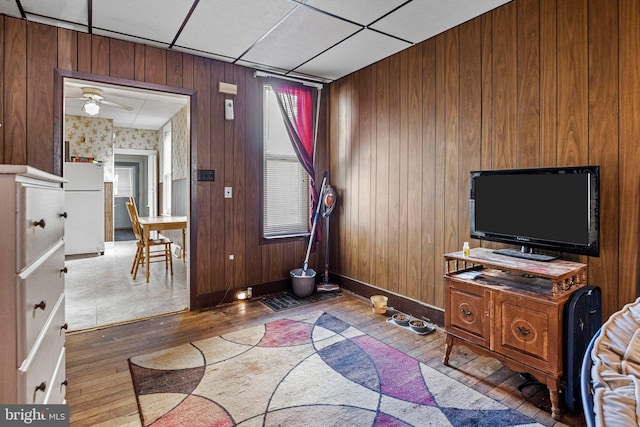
x,y
206,175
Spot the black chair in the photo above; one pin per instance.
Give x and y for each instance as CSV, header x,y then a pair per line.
x,y
585,383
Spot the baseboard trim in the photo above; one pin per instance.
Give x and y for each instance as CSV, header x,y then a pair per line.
x,y
214,299
401,303
406,305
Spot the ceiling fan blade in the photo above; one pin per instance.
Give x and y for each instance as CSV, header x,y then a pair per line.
x,y
115,104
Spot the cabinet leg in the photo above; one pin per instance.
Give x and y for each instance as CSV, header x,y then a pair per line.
x,y
554,396
447,349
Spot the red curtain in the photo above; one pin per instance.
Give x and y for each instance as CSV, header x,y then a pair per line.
x,y
298,111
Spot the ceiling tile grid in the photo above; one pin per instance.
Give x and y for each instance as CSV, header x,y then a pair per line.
x,y
230,28
305,34
146,19
320,39
365,47
420,20
362,12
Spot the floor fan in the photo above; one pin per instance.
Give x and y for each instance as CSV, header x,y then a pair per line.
x,y
328,200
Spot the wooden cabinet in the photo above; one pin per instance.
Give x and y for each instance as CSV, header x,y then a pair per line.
x,y
511,309
32,287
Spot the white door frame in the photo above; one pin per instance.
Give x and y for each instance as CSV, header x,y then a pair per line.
x,y
152,174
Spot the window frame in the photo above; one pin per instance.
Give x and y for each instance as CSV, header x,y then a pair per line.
x,y
271,240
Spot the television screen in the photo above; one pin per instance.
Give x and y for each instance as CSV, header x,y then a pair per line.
x,y
550,208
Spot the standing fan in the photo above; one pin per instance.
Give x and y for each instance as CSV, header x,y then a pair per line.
x,y
328,201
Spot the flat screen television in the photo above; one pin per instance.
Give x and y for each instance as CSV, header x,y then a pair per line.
x,y
554,209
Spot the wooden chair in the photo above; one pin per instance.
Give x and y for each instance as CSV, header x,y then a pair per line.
x,y
159,248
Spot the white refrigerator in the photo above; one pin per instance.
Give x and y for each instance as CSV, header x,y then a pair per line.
x,y
84,202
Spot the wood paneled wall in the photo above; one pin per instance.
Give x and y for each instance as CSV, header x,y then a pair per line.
x,y
533,83
29,54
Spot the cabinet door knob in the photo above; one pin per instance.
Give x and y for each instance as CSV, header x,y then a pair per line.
x,y
65,326
64,270
63,215
466,313
40,223
41,305
41,387
65,382
523,331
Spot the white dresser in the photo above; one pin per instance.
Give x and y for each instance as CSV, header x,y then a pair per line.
x,y
32,270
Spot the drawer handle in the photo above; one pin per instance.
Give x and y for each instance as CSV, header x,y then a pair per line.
x,y
41,387
40,223
63,215
64,270
466,313
41,305
523,331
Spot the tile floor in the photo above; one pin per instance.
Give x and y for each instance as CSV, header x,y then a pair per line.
x,y
100,290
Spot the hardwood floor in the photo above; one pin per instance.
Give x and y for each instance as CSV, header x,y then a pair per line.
x,y
100,392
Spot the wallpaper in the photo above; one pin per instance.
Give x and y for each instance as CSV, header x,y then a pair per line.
x,y
95,137
180,141
91,137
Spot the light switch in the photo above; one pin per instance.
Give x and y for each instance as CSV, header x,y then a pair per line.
x,y
228,193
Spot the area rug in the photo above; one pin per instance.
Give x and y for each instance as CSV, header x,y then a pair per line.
x,y
308,370
287,300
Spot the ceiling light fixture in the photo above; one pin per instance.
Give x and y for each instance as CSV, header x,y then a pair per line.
x,y
91,107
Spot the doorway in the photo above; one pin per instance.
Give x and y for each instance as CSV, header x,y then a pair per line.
x,y
125,185
102,301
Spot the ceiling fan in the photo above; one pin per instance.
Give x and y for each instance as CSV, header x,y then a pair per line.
x,y
93,99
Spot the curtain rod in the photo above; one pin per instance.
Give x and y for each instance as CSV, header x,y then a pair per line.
x,y
258,73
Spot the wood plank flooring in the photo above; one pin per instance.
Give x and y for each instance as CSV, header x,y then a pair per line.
x,y
100,392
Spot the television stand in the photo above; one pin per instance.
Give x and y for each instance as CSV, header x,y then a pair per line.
x,y
511,309
525,255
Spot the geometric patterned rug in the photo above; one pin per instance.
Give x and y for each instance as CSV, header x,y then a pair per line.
x,y
307,370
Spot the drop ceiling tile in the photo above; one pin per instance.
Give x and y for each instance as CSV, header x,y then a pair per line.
x,y
106,33
203,53
362,12
72,11
419,20
262,67
157,20
302,35
229,28
10,8
57,23
355,53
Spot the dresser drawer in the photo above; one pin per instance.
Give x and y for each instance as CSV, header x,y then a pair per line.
x,y
37,371
40,221
58,390
39,288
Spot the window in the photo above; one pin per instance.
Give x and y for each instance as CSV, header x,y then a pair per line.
x,y
123,182
167,178
285,182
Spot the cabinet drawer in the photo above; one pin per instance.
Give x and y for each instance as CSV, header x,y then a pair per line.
x,y
40,224
467,313
523,335
38,368
58,390
39,288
